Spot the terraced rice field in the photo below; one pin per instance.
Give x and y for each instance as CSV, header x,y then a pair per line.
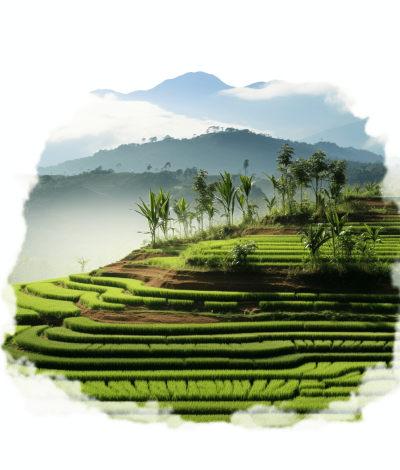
x,y
208,371
279,250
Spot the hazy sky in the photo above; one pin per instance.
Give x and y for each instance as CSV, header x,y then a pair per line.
x,y
54,53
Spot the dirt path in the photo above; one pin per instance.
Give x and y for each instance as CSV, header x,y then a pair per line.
x,y
139,315
153,276
275,280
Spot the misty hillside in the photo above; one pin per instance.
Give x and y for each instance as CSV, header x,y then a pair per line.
x,y
202,95
93,215
349,135
214,152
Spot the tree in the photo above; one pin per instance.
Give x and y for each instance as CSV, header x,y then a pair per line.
x,y
211,211
182,211
144,139
166,166
336,227
149,167
152,213
164,208
337,172
241,199
153,139
118,165
245,188
205,194
190,172
274,182
302,178
270,203
317,169
357,188
284,161
227,192
246,164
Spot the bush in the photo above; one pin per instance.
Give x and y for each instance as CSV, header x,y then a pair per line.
x,y
240,252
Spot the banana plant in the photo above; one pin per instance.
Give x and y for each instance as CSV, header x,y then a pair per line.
x,y
346,192
152,213
320,200
336,227
274,182
313,238
227,192
241,199
357,188
164,208
246,187
373,235
211,211
182,211
270,203
372,188
334,192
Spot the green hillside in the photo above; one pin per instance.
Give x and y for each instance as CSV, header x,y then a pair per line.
x,y
214,152
305,353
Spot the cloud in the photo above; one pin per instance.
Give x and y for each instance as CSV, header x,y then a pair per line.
x,y
130,121
278,88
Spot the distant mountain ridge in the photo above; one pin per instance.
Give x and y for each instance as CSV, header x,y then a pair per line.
x,y
214,152
350,135
190,85
198,95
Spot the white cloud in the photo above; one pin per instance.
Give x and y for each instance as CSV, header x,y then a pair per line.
x,y
130,121
277,88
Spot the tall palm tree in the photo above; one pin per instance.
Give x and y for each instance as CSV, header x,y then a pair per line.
x,y
182,211
227,192
336,226
152,213
164,207
246,187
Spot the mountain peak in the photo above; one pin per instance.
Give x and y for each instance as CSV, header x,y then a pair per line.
x,y
199,83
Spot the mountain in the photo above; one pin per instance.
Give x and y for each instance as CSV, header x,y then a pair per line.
x,y
189,86
214,152
349,135
201,95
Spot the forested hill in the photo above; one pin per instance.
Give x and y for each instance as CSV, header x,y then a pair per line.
x,y
214,152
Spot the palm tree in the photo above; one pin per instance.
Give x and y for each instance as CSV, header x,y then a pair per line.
x,y
211,211
227,192
270,203
241,199
246,187
164,207
336,227
357,188
274,182
152,213
182,211
371,188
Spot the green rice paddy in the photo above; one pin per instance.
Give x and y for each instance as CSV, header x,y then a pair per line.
x,y
208,371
